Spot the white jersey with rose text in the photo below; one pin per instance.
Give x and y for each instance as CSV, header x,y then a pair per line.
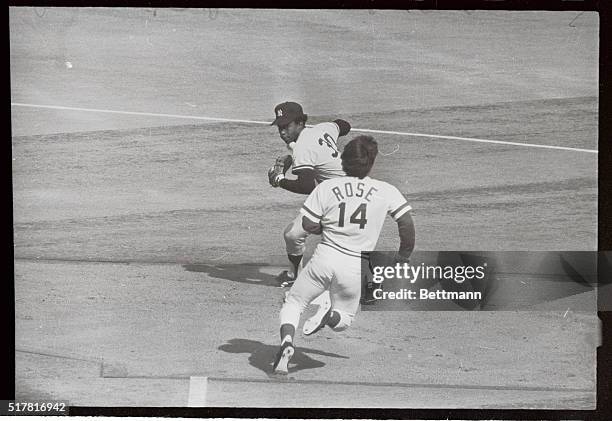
x,y
316,148
352,211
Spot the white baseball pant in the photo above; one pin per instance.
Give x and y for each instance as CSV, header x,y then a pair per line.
x,y
327,269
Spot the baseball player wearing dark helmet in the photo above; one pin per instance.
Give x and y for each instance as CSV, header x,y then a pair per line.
x,y
314,158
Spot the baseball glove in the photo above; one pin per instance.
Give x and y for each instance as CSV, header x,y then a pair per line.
x,y
277,172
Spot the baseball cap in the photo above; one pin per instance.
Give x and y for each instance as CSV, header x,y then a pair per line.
x,y
287,112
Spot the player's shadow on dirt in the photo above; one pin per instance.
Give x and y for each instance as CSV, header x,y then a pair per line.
x,y
247,273
262,355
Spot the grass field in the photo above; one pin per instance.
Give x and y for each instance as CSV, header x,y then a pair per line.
x,y
146,245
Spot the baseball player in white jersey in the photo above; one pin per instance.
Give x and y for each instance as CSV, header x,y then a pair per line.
x,y
315,158
349,213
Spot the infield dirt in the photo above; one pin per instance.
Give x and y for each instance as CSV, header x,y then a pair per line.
x,y
149,246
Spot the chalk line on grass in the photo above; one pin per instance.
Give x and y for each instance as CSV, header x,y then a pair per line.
x,y
354,129
144,114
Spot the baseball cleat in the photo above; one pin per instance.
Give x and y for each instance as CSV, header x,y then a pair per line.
x,y
367,301
367,297
285,279
281,364
319,320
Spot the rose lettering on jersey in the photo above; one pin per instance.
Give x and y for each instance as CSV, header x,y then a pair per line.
x,y
338,193
359,190
350,191
348,188
370,192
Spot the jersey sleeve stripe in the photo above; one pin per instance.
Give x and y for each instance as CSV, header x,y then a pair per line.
x,y
401,210
311,213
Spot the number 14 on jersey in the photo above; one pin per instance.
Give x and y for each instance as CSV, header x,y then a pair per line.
x,y
358,217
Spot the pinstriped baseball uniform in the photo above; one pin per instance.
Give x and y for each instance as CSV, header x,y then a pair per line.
x,y
352,212
316,149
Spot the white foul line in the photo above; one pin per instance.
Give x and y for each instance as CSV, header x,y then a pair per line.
x,y
96,110
233,120
471,139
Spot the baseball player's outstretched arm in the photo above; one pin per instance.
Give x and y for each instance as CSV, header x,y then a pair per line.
x,y
405,227
304,184
344,126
